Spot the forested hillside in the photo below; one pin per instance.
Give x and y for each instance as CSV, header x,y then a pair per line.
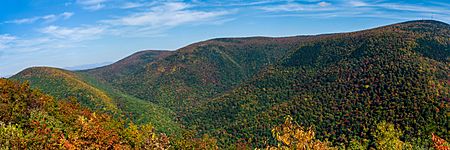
x,y
194,73
128,66
32,120
343,85
382,88
98,96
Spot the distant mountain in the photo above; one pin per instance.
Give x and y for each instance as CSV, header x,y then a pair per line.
x,y
237,89
183,79
130,65
87,66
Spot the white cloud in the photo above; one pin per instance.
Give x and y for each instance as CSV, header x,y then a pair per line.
x,y
66,15
233,3
129,5
92,4
356,8
403,7
152,22
75,33
166,15
46,18
161,17
16,45
23,21
357,3
53,38
293,7
5,40
399,7
6,37
324,4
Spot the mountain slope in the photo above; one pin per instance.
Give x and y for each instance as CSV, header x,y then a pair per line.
x,y
237,89
128,66
32,120
187,77
343,85
98,96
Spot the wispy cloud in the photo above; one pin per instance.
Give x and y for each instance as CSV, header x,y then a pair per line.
x,y
129,5
235,3
324,4
357,3
92,4
168,14
293,7
356,8
399,6
163,16
5,40
142,23
145,18
24,45
53,38
413,8
150,22
46,19
75,33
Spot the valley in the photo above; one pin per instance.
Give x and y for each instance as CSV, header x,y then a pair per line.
x,y
233,93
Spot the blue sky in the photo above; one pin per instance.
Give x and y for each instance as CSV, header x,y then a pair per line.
x,y
70,33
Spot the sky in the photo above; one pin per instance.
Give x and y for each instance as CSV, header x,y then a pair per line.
x,y
76,33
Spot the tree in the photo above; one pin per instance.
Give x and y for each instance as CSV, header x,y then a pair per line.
x,y
290,135
439,143
388,138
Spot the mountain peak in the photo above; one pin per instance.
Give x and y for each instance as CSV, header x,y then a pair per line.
x,y
424,21
341,84
421,25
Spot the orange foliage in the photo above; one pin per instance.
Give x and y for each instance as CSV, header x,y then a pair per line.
x,y
292,136
439,143
40,122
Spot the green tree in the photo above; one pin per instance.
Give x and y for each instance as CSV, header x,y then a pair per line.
x,y
388,138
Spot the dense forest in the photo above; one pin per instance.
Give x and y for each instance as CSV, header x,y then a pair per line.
x,y
33,120
344,85
382,88
99,97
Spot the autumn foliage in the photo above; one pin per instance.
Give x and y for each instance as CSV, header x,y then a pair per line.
x,y
32,120
382,88
292,136
439,143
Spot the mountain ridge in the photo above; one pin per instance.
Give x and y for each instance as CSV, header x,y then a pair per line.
x,y
236,89
294,85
